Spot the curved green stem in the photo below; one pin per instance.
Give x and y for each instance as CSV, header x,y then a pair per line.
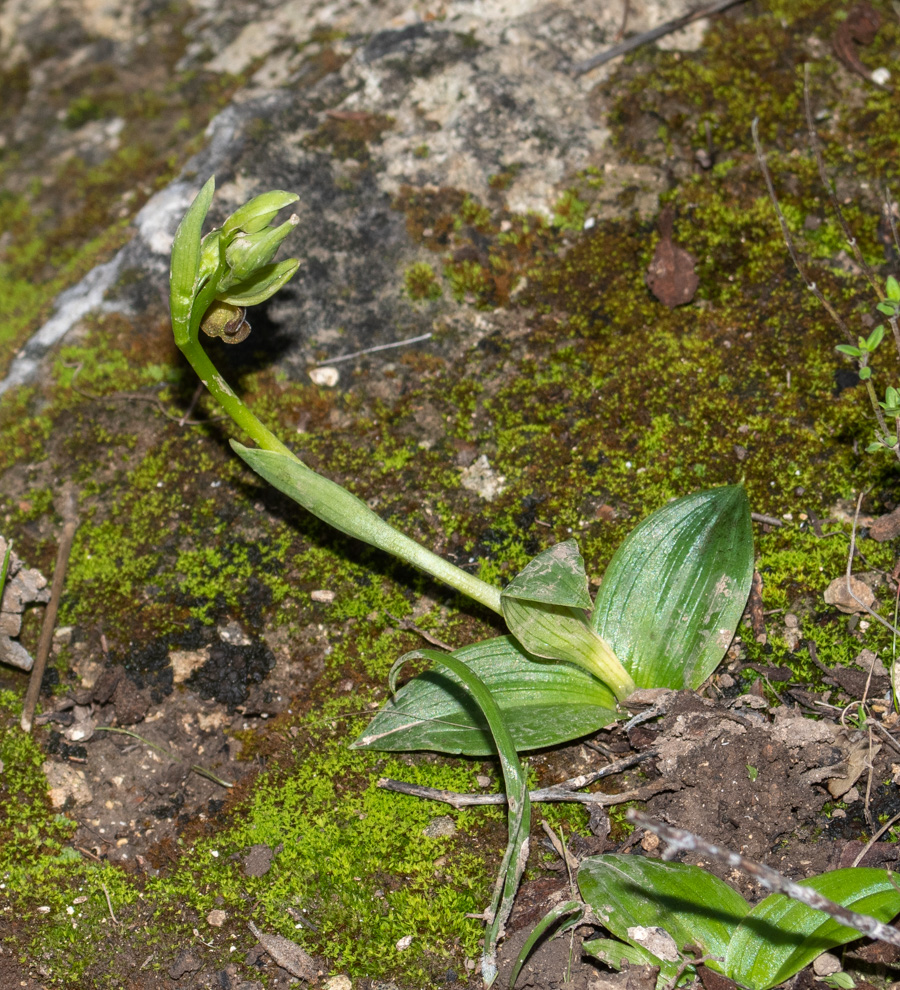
x,y
221,391
326,499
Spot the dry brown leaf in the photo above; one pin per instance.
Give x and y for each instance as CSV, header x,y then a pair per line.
x,y
859,28
671,276
288,955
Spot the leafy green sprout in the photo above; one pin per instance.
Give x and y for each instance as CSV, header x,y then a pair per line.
x,y
667,607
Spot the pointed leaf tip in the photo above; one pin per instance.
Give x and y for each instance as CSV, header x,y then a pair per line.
x,y
555,577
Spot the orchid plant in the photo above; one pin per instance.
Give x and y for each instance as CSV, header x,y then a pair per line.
x,y
668,604
666,612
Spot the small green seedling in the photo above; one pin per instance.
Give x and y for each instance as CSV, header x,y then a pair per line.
x,y
758,948
667,608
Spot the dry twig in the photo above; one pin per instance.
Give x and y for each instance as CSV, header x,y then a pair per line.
x,y
70,525
680,839
654,34
457,800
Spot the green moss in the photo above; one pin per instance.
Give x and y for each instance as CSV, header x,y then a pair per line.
x,y
350,136
569,212
352,858
421,283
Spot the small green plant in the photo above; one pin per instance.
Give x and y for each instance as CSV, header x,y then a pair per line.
x,y
666,612
860,348
758,948
667,608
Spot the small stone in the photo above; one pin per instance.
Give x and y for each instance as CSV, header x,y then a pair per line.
x,y
438,827
106,684
650,842
886,527
837,594
826,964
65,783
404,943
481,478
258,860
339,982
187,961
482,780
216,918
131,703
322,595
326,377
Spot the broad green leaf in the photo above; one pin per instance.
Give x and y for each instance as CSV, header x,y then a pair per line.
x,y
693,906
542,704
556,576
780,936
185,262
674,591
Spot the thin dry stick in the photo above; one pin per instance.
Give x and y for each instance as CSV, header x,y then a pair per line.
x,y
789,240
681,840
891,740
652,35
70,524
889,210
372,350
874,839
112,913
457,800
768,520
816,146
409,626
858,601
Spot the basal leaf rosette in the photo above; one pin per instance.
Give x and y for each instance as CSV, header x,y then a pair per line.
x,y
666,612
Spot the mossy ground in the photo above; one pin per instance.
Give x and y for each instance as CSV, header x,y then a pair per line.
x,y
595,403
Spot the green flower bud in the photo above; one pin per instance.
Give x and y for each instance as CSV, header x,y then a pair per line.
x,y
252,217
249,252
